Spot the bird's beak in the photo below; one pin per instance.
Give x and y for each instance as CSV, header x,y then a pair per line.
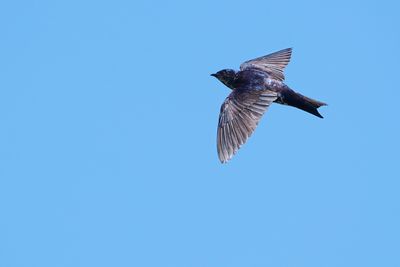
x,y
213,75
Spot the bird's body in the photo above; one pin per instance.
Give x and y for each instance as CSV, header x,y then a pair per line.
x,y
257,84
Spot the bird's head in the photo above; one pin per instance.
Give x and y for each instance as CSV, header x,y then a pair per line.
x,y
226,76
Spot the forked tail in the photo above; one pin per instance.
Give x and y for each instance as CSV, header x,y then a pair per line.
x,y
302,102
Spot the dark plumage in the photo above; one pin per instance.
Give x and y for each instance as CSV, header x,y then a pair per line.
x,y
258,83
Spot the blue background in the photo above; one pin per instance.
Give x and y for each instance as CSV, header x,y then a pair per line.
x,y
108,125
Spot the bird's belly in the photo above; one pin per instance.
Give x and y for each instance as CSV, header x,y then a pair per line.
x,y
273,85
279,100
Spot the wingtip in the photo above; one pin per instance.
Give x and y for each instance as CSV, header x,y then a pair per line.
x,y
289,49
225,158
224,161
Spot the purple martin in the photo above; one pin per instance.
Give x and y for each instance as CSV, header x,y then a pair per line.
x,y
257,84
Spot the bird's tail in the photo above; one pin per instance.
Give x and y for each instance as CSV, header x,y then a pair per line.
x,y
302,102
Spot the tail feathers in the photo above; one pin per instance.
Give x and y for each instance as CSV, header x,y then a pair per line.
x,y
312,106
313,111
314,102
304,103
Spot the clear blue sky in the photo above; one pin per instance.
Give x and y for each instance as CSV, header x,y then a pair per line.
x,y
108,127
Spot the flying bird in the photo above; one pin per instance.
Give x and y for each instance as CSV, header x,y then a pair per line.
x,y
257,84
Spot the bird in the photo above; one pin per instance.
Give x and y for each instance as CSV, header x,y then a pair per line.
x,y
257,85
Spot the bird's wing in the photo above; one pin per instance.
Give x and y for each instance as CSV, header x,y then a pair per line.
x,y
238,118
273,64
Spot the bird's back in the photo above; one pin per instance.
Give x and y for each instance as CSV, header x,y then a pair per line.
x,y
251,79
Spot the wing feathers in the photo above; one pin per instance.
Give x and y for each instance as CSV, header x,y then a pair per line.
x,y
240,114
273,64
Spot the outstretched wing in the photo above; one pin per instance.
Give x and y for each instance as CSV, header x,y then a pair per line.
x,y
239,116
273,64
